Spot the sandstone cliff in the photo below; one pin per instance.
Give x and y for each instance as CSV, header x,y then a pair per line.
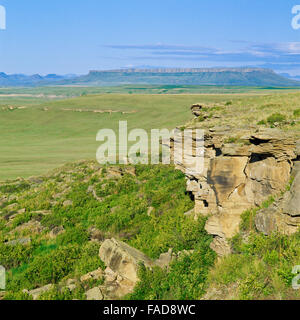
x,y
243,167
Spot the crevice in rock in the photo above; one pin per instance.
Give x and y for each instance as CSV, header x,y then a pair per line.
x,y
257,141
218,152
256,157
191,195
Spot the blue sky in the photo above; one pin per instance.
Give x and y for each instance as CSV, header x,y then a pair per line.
x,y
77,36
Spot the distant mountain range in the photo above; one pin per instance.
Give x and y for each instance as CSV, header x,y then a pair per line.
x,y
162,76
287,75
22,80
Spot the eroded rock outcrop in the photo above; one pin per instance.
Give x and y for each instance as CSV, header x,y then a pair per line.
x,y
242,168
123,262
283,215
123,259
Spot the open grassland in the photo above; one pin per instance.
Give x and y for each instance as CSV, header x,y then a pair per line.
x,y
48,133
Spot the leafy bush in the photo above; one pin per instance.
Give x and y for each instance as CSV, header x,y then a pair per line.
x,y
186,279
46,268
14,256
76,235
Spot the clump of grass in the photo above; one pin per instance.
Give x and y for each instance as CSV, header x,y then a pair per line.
x,y
276,118
261,123
297,113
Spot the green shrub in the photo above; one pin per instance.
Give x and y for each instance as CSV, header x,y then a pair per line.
x,y
76,235
186,279
89,259
276,117
46,268
14,256
297,113
63,294
261,122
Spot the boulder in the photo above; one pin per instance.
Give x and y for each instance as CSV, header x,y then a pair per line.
x,y
22,241
56,232
96,235
196,109
94,294
95,275
165,259
68,203
123,259
33,226
36,293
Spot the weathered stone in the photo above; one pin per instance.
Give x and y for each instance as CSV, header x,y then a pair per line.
x,y
265,221
95,275
123,259
36,293
12,207
196,110
33,226
220,246
56,232
22,241
94,294
233,149
68,203
96,234
130,170
292,203
165,259
238,176
284,214
110,275
149,211
114,173
298,148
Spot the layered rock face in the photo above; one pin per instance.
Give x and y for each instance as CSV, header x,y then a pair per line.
x,y
284,215
242,168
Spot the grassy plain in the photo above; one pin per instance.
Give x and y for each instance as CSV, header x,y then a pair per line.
x,y
47,133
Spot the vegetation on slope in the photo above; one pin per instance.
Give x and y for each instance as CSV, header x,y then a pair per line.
x,y
260,267
64,199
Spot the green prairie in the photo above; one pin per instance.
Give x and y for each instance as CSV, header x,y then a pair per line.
x,y
43,128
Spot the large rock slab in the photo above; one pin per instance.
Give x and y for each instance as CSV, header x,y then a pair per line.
x,y
123,259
